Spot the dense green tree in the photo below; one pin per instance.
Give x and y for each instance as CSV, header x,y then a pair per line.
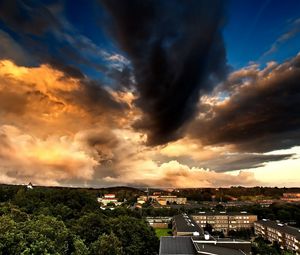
x,y
42,235
135,235
90,226
79,247
245,234
107,244
262,248
69,221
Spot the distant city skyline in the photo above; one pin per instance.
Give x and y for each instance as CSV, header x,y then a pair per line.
x,y
162,94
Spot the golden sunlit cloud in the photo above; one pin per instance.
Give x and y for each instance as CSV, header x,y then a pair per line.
x,y
47,161
173,174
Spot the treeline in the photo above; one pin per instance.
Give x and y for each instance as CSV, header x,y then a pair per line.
x,y
226,194
69,221
122,193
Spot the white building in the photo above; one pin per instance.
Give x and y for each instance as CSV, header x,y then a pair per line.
x,y
109,199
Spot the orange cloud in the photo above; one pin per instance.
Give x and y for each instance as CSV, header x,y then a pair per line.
x,y
49,161
48,122
174,174
31,98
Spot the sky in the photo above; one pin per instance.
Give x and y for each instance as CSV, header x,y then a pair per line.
x,y
153,93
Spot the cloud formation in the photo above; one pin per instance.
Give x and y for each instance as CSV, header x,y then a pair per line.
x,y
292,32
149,103
177,52
260,113
25,158
37,32
42,96
53,127
58,130
173,174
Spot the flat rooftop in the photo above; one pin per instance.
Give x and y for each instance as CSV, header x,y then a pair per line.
x,y
185,245
176,245
184,223
242,213
216,250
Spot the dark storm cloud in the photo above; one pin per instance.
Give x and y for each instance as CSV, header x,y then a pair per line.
x,y
262,113
47,37
92,96
226,163
177,52
28,16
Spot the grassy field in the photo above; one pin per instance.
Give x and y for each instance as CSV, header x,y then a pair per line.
x,y
162,232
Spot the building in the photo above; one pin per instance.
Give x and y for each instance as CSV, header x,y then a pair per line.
x,y
162,200
184,225
108,199
288,237
291,197
159,222
189,239
142,200
29,185
225,221
266,202
204,245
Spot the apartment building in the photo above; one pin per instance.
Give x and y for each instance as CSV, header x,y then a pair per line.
x,y
163,200
190,239
288,237
159,222
291,197
225,221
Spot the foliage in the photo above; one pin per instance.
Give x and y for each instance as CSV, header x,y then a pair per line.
x,y
226,194
107,244
245,234
69,221
90,226
132,231
79,247
261,246
40,235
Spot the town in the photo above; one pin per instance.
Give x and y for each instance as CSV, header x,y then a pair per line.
x,y
257,220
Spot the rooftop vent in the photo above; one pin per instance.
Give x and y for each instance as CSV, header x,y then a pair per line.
x,y
196,233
